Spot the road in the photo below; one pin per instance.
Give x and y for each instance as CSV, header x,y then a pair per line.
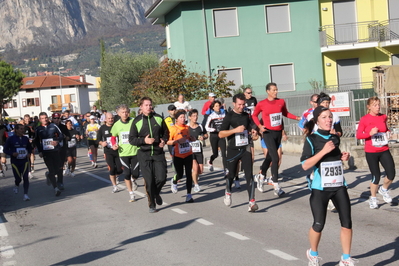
x,y
90,225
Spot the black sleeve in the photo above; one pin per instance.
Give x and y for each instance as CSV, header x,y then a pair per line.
x,y
338,128
226,122
134,135
99,135
307,150
165,134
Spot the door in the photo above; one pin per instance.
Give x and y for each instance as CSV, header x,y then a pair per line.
x,y
345,22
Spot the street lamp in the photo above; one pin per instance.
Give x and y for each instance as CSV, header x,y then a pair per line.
x,y
59,74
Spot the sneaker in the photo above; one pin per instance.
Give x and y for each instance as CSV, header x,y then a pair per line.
x,y
278,191
134,185
2,174
227,199
373,203
189,198
30,175
385,194
60,186
132,197
252,207
57,191
331,206
260,179
173,187
115,189
153,210
158,200
72,174
348,262
197,188
5,167
237,184
26,197
313,260
47,178
92,163
66,171
16,190
32,170
210,166
95,165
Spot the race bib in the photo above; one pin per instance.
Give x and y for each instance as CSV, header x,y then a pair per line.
x,y
184,147
93,135
1,149
196,146
72,143
22,153
241,138
275,119
124,137
47,144
380,139
332,174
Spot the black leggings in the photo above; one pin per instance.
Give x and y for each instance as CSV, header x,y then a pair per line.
x,y
245,156
114,164
130,166
53,162
181,165
272,140
215,143
319,202
21,171
374,160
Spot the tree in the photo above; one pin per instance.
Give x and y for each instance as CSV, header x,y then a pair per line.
x,y
171,78
10,83
119,73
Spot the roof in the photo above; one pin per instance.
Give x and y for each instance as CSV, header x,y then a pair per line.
x,y
160,8
49,81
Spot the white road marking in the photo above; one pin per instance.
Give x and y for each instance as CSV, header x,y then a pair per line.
x,y
10,263
3,229
281,254
7,252
203,221
238,236
179,211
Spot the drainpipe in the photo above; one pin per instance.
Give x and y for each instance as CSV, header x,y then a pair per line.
x,y
206,39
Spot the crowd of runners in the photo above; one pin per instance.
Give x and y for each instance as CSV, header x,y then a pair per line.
x,y
136,146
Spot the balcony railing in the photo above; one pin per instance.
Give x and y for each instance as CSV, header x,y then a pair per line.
x,y
57,107
350,33
389,30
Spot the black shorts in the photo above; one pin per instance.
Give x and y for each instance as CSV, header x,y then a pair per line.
x,y
92,143
71,152
199,157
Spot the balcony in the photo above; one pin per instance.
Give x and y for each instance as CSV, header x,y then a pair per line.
x,y
57,107
389,32
349,36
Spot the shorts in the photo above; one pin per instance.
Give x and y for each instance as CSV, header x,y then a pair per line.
x,y
71,152
262,142
92,143
199,157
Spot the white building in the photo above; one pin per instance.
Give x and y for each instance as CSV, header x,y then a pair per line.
x,y
49,94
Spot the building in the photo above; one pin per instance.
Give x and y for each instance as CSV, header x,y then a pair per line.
x,y
49,94
253,41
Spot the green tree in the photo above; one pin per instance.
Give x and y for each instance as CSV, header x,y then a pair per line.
x,y
10,83
171,78
119,73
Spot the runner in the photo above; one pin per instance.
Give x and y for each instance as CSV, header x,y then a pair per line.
x,y
48,139
304,117
111,156
3,138
91,132
237,127
29,131
373,128
71,149
56,119
19,148
180,138
150,133
273,109
321,153
127,152
197,131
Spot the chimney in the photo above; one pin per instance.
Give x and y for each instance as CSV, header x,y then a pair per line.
x,y
82,78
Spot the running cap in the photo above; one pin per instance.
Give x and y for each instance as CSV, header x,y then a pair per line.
x,y
92,117
171,107
317,111
56,115
212,94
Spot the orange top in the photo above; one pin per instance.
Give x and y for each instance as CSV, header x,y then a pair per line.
x,y
182,149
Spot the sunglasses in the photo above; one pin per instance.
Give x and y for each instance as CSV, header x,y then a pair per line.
x,y
249,92
56,118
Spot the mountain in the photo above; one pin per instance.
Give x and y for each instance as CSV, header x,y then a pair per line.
x,y
55,22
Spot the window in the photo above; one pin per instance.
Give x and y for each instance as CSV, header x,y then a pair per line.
x,y
14,103
30,102
278,18
225,22
29,82
395,59
283,76
73,98
233,74
29,90
54,99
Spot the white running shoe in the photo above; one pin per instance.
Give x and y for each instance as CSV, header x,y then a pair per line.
x,y
385,195
348,262
26,197
227,199
16,190
92,163
197,188
115,189
66,171
210,166
173,187
134,185
30,175
278,191
2,174
373,203
132,197
313,260
237,184
331,206
259,181
252,207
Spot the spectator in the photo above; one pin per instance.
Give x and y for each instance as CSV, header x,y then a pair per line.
x,y
181,104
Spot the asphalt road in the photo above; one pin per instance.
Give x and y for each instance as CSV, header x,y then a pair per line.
x,y
90,225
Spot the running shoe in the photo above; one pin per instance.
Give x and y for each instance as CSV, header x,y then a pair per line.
x,y
26,197
158,200
313,260
32,170
30,175
348,262
92,163
260,179
373,203
47,178
331,206
115,189
197,188
173,187
237,184
134,185
210,166
132,197
278,191
227,199
72,174
60,186
153,210
385,195
95,165
252,207
5,167
66,171
189,198
2,174
16,190
57,191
